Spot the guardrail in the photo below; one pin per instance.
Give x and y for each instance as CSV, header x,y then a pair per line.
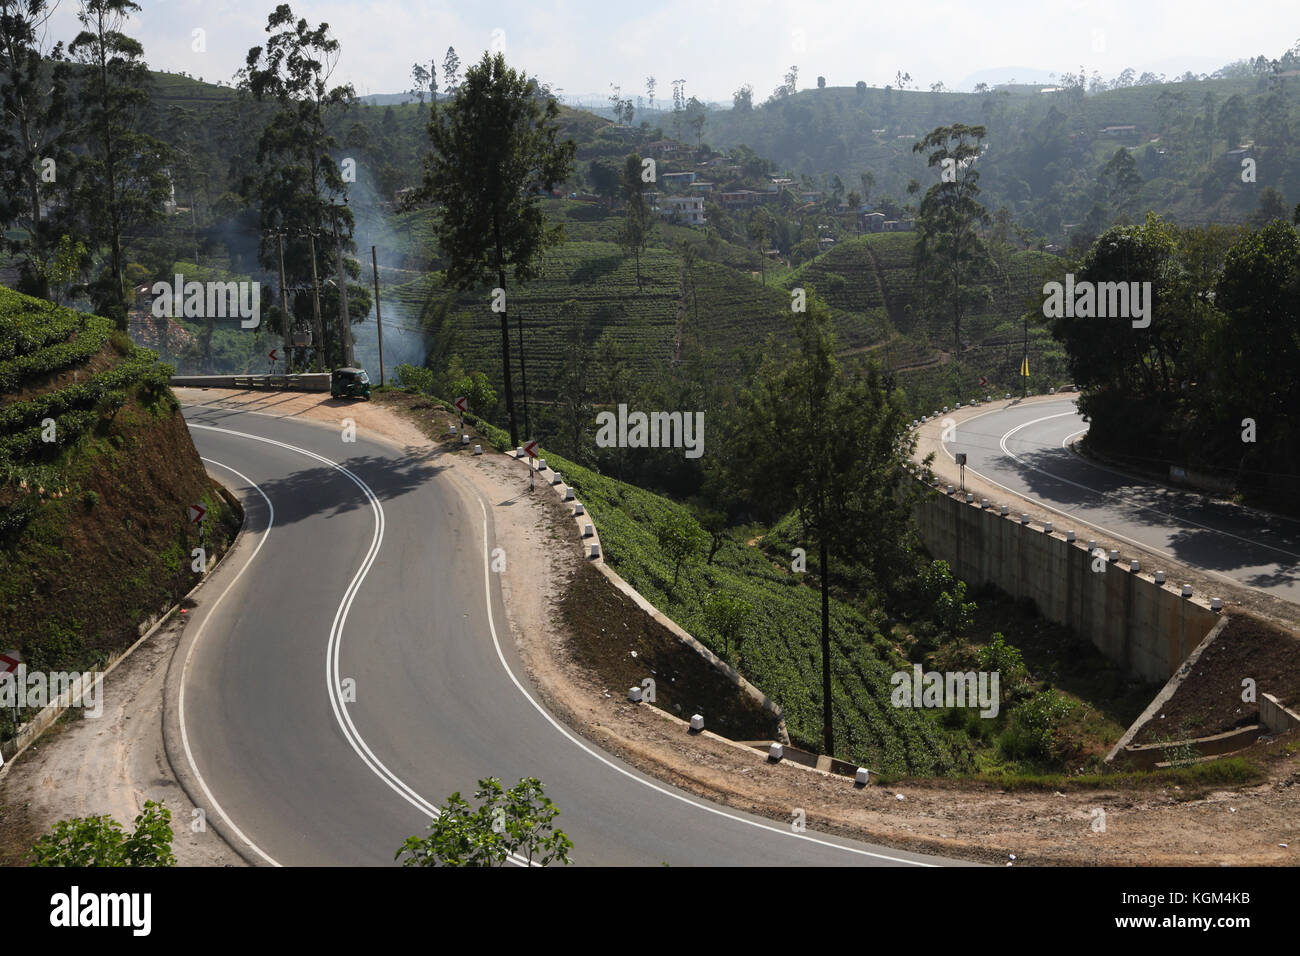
x,y
304,382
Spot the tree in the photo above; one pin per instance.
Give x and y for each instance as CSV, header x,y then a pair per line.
x,y
650,84
727,616
296,184
696,117
33,105
861,87
123,177
949,253
606,177
844,484
1271,206
1121,180
743,99
821,82
419,77
451,71
637,222
495,151
681,539
515,823
101,841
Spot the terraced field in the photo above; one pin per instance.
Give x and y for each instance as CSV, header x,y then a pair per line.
x,y
40,345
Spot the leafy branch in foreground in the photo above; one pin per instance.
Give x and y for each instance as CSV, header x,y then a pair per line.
x,y
514,822
101,841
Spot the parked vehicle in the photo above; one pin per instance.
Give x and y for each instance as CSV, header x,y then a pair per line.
x,y
350,383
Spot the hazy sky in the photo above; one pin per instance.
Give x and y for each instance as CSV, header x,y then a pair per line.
x,y
580,47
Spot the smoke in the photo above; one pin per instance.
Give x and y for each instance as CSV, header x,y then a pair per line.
x,y
404,341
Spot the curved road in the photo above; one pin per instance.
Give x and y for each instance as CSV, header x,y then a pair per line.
x,y
362,569
1024,449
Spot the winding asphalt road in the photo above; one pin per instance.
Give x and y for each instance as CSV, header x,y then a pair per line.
x,y
362,568
1024,449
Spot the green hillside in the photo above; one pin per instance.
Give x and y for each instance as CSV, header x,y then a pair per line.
x,y
97,473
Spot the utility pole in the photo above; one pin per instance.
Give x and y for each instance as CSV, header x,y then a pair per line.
x,y
284,305
379,319
346,320
318,328
523,375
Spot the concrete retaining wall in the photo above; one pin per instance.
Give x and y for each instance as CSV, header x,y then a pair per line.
x,y
1275,716
306,382
1146,628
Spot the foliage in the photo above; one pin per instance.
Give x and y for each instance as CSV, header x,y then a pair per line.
x,y
727,616
514,823
101,841
681,540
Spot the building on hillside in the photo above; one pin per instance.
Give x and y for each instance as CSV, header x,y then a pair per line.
x,y
1120,132
700,187
687,209
898,225
677,179
666,148
872,221
739,198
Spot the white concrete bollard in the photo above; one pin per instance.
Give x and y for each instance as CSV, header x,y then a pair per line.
x,y
1092,546
556,479
1047,528
1008,395
519,452
984,502
568,493
1187,590
1160,577
697,722
1006,510
1051,391
578,509
464,438
862,777
634,694
969,497
1069,536
1216,604
453,429
1135,565
1024,518
950,489
1114,555
595,551
541,464
588,530
478,449
776,751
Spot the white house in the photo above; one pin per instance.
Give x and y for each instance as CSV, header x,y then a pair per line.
x,y
689,209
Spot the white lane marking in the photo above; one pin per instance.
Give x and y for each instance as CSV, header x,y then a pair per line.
x,y
487,587
1084,521
1065,442
185,737
333,688
1103,494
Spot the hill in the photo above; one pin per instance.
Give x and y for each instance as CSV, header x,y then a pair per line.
x,y
97,473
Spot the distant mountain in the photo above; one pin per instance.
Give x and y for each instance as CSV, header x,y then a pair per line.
x,y
386,99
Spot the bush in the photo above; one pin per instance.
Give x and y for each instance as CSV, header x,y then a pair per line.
x,y
101,841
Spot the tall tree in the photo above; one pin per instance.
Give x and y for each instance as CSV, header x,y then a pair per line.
x,y
495,151
949,254
123,177
637,222
420,79
451,71
296,184
844,487
33,138
650,84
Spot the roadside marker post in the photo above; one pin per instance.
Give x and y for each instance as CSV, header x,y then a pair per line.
x,y
530,449
460,404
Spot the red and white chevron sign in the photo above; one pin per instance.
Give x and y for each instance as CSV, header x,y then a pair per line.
x,y
197,513
530,449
